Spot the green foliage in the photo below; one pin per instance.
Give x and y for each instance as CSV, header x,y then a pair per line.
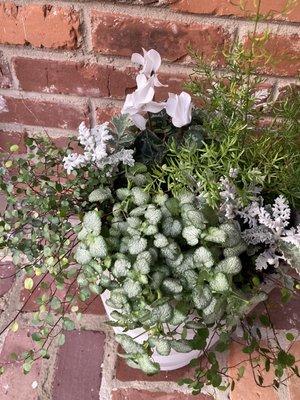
x,y
165,255
243,129
152,234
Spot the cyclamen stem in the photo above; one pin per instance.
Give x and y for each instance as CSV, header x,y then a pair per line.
x,y
150,121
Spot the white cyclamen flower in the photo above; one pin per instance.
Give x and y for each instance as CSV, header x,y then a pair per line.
x,y
179,107
150,62
141,100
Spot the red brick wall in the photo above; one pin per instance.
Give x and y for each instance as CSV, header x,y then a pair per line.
x,y
62,62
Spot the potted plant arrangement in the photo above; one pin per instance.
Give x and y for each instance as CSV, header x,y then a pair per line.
x,y
180,217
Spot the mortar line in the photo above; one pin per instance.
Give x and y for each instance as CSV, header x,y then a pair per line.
x,y
118,62
32,129
86,19
60,98
42,96
108,367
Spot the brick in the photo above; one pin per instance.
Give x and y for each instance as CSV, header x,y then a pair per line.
x,y
8,138
283,316
67,77
62,77
294,382
246,387
5,74
14,384
78,368
279,55
93,306
43,113
275,9
175,84
104,114
7,277
39,26
129,394
120,34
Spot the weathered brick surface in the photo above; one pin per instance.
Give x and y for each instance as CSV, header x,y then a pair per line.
x,y
43,113
246,388
66,77
130,394
276,9
14,384
7,139
7,277
39,25
294,382
175,84
279,55
121,34
78,370
104,114
283,316
30,304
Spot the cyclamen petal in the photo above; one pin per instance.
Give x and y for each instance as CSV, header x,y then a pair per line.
x,y
150,62
139,121
154,107
137,58
179,108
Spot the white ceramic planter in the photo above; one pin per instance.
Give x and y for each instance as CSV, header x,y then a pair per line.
x,y
174,360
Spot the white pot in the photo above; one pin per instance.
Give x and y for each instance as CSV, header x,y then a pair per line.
x,y
174,360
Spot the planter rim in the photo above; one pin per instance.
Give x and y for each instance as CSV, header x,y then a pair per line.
x,y
174,360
